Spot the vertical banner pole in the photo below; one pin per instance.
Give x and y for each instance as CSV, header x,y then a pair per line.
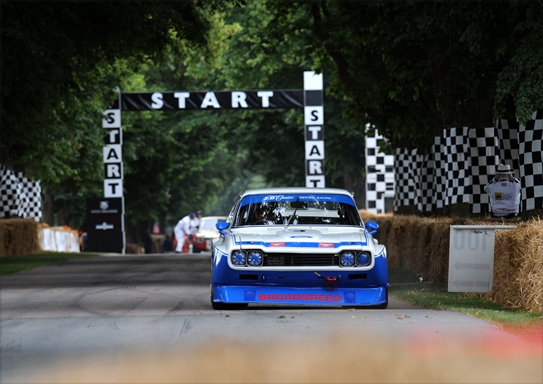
x,y
314,130
113,167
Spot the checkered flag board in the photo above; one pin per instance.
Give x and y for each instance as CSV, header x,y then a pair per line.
x,y
456,149
32,190
379,175
531,163
439,172
507,131
404,177
424,180
483,149
19,197
9,193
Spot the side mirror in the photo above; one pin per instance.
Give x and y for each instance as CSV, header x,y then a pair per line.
x,y
372,227
221,227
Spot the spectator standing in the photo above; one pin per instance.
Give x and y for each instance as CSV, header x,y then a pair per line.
x,y
504,193
182,232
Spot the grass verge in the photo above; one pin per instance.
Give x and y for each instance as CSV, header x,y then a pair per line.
x,y
406,286
14,264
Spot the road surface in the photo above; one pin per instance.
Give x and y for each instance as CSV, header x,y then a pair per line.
x,y
148,318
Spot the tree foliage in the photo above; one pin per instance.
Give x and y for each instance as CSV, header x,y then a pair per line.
x,y
60,64
407,68
413,68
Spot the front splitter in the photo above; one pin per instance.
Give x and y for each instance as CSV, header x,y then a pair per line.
x,y
300,296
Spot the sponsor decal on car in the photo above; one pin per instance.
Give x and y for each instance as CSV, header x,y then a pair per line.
x,y
322,298
326,245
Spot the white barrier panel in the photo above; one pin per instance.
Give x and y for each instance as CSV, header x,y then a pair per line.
x,y
58,240
471,257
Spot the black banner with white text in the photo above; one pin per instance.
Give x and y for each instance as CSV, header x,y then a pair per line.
x,y
209,100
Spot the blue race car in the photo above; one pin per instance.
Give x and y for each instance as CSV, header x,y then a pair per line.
x,y
297,246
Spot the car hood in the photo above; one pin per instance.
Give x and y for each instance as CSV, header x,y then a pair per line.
x,y
293,235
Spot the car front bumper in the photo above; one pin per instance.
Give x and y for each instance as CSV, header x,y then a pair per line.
x,y
300,296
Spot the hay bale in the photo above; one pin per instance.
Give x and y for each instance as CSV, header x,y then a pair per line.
x,y
422,246
518,267
134,249
438,260
18,237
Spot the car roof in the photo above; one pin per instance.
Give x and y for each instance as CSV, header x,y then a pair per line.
x,y
260,191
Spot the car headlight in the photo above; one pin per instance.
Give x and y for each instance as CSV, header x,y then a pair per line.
x,y
346,259
238,258
363,259
254,258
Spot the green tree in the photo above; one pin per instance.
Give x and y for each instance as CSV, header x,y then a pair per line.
x,y
255,53
413,68
60,64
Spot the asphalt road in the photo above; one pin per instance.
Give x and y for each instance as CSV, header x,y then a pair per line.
x,y
92,320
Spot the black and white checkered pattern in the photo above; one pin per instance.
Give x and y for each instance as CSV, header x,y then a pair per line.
x,y
483,149
425,181
413,179
379,175
456,149
19,196
406,190
439,172
507,131
462,162
531,163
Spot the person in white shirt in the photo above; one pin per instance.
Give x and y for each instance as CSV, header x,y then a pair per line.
x,y
181,229
504,193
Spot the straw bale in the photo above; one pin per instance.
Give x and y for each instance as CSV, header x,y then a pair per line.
x,y
422,246
438,263
518,267
412,247
18,237
367,215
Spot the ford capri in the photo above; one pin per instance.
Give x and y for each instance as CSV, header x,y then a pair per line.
x,y
298,247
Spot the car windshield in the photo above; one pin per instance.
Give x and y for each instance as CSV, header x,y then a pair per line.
x,y
297,209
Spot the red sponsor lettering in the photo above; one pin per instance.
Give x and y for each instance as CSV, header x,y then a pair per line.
x,y
277,244
326,245
299,297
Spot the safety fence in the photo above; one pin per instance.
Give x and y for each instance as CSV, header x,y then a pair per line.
x,y
463,160
19,196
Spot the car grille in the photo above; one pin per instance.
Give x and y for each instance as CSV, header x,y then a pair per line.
x,y
299,260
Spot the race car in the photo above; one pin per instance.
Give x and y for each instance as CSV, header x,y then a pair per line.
x,y
297,246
